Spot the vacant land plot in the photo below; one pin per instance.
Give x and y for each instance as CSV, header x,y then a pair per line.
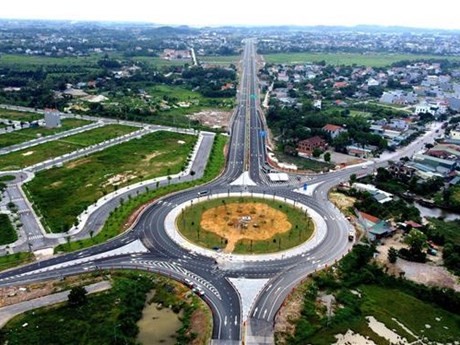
x,y
7,231
19,115
43,152
245,225
27,134
63,193
368,59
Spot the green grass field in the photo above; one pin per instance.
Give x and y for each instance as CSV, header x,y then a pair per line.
x,y
7,231
220,60
388,305
76,185
370,59
27,61
302,227
26,134
43,152
118,219
19,115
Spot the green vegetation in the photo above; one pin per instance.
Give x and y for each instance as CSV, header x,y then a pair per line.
x,y
27,62
105,318
368,59
303,163
362,289
43,152
7,231
78,184
116,223
446,234
220,60
302,227
27,134
19,115
7,178
13,260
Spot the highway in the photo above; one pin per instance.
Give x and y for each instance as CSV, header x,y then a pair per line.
x,y
156,251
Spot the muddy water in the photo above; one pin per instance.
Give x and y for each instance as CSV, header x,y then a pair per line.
x,y
157,326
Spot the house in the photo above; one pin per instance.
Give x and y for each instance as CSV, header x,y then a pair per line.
x,y
333,130
375,228
359,151
308,145
379,195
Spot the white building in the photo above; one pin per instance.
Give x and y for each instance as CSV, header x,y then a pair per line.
x,y
52,118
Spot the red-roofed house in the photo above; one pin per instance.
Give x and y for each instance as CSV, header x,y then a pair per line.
x,y
333,130
308,145
340,85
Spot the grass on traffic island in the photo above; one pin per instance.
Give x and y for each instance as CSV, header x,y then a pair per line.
x,y
123,216
245,225
13,260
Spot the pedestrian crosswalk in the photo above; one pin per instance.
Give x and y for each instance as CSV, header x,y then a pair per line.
x,y
172,266
34,237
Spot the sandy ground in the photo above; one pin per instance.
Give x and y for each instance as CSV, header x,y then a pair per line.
x,y
251,221
213,118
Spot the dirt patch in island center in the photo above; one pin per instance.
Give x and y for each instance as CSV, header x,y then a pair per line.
x,y
250,221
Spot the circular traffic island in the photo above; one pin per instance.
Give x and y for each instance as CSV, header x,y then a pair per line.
x,y
245,225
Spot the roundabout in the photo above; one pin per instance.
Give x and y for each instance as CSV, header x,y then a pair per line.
x,y
245,227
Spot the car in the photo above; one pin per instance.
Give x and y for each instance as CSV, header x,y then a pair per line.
x,y
203,192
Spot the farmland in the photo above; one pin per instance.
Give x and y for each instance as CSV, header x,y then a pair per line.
x,y
368,59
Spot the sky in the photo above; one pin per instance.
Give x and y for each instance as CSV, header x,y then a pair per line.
x,y
410,13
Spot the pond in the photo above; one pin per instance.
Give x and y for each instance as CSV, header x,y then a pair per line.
x,y
157,325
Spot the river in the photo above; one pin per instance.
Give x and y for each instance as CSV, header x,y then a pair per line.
x,y
436,212
157,326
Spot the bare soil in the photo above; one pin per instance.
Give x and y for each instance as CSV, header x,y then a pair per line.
x,y
213,118
289,312
430,273
251,221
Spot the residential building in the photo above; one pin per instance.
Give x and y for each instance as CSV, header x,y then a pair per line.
x,y
333,130
308,145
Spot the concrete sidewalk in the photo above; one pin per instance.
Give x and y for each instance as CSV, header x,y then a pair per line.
x,y
8,312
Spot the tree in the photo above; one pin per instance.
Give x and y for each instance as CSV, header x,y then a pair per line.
x,y
317,152
392,255
416,241
327,157
352,179
77,296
